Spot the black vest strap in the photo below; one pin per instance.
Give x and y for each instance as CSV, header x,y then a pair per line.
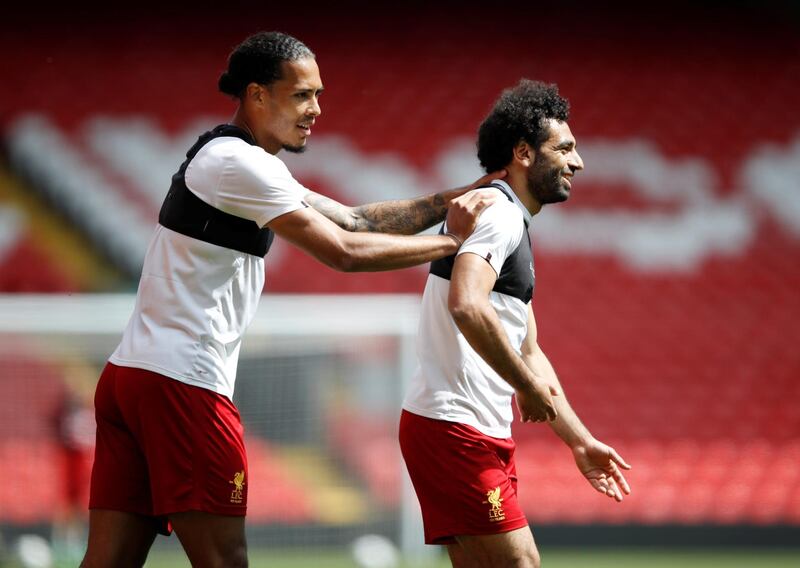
x,y
185,213
516,275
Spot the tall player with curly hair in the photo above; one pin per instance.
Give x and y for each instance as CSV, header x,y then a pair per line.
x,y
478,347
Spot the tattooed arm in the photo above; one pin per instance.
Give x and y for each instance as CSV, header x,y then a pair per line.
x,y
401,217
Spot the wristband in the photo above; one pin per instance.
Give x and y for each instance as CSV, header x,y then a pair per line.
x,y
458,241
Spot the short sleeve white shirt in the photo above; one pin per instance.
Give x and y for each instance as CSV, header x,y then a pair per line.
x,y
196,299
452,381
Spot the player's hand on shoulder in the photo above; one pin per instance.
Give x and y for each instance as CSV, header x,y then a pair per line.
x,y
487,179
483,181
463,211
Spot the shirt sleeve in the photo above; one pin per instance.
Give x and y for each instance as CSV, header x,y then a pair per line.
x,y
250,183
497,234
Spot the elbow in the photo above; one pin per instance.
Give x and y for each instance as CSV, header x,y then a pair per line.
x,y
338,254
347,263
342,260
461,310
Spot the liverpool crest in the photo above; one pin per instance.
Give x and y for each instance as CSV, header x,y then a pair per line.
x,y
238,487
496,513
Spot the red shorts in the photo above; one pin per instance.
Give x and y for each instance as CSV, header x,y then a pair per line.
x,y
166,447
466,481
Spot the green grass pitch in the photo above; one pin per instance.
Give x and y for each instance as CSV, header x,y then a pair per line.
x,y
552,558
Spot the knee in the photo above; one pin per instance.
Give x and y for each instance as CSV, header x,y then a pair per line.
x,y
239,559
534,561
235,558
526,559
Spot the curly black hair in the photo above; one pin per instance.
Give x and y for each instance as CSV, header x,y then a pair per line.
x,y
520,113
258,60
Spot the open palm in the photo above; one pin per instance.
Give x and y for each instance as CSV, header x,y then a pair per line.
x,y
600,465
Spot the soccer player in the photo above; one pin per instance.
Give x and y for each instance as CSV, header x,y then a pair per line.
x,y
170,452
477,346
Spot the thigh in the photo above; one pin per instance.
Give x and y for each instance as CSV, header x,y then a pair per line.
x,y
513,549
118,539
211,541
120,479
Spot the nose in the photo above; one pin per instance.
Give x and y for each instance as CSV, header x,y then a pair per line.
x,y
575,161
315,110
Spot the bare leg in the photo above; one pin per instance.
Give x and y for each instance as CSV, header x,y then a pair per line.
x,y
514,549
459,557
211,541
118,540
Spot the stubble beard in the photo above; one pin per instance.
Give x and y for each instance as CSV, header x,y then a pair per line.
x,y
295,149
546,185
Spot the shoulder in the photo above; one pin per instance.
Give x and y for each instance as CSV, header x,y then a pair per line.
x,y
503,215
238,153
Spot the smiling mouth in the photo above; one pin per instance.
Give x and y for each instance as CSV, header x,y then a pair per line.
x,y
306,128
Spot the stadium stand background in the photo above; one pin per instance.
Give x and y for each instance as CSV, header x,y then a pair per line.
x,y
668,285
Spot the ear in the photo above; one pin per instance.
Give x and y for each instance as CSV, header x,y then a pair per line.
x,y
524,154
255,93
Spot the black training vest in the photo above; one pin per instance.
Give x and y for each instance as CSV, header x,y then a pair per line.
x,y
516,275
185,213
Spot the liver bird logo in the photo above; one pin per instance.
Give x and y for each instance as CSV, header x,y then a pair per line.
x,y
493,495
238,480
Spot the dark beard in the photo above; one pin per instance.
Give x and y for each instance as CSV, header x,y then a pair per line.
x,y
546,185
295,149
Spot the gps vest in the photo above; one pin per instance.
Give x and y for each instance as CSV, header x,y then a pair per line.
x,y
516,276
185,213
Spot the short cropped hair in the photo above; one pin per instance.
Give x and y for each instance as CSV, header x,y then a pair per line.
x,y
520,113
258,60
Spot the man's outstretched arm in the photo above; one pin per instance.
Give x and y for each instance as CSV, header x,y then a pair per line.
x,y
399,217
599,463
367,252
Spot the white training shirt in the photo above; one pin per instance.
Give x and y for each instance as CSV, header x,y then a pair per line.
x,y
452,381
196,299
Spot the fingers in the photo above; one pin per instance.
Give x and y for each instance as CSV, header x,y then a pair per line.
x,y
616,480
620,479
533,416
618,459
488,178
614,491
474,195
463,212
548,414
606,485
478,198
473,202
535,403
480,203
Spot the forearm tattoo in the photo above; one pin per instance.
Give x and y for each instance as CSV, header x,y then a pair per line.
x,y
403,217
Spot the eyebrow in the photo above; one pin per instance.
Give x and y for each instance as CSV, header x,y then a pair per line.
x,y
567,143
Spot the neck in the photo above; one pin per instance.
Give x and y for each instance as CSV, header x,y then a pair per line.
x,y
241,120
518,181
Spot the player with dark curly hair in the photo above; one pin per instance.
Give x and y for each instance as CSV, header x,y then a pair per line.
x,y
170,446
478,347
